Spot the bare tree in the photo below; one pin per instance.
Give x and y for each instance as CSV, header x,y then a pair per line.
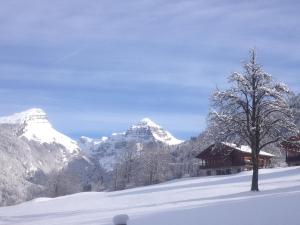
x,y
295,105
255,108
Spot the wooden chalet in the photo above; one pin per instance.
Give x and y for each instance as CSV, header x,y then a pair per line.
x,y
227,158
292,149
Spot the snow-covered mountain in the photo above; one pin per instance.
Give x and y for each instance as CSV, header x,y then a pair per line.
x,y
36,160
33,124
145,132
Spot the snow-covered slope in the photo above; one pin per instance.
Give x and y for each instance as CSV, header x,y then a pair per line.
x,y
208,200
33,124
144,133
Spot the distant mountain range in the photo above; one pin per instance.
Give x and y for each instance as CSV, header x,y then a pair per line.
x,y
37,160
144,133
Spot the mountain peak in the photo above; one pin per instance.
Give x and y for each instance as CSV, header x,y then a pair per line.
x,y
33,124
146,129
30,115
142,134
147,122
34,111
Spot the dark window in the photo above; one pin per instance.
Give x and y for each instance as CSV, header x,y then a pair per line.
x,y
228,171
87,187
208,173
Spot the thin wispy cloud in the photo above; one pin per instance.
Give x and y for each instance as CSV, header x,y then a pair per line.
x,y
69,55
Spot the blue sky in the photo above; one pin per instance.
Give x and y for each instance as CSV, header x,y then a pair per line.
x,y
98,66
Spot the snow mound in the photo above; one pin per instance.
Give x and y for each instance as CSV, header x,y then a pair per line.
x,y
121,219
44,199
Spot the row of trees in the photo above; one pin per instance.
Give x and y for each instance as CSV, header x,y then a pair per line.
x,y
141,164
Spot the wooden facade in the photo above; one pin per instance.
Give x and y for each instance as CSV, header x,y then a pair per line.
x,y
227,158
292,149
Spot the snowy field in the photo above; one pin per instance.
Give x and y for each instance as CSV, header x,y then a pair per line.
x,y
221,200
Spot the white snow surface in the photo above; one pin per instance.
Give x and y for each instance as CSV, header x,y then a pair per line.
x,y
212,200
34,125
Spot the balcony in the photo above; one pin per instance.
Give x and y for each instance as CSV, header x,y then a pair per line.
x,y
223,165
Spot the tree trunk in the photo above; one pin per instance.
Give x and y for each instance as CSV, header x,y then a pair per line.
x,y
254,186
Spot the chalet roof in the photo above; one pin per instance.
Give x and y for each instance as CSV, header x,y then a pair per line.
x,y
247,149
229,147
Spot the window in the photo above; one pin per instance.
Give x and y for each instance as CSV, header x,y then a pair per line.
x,y
208,172
228,171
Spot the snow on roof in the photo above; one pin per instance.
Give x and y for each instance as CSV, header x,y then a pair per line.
x,y
247,149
